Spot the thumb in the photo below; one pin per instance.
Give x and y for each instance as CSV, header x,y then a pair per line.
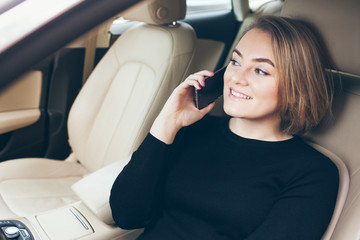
x,y
207,109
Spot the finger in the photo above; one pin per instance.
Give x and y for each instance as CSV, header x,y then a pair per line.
x,y
195,82
200,76
206,73
207,109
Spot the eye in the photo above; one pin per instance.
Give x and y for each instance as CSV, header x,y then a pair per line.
x,y
234,62
261,72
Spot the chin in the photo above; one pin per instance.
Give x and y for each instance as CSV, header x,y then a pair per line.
x,y
231,110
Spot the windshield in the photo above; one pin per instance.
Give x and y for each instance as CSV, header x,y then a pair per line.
x,y
19,18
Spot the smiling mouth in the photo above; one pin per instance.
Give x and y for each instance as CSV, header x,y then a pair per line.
x,y
240,95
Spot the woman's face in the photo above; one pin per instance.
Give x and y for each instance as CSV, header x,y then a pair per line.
x,y
250,80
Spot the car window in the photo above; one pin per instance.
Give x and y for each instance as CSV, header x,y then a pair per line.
x,y
18,19
255,4
194,6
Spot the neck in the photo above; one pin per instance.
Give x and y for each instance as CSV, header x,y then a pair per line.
x,y
259,131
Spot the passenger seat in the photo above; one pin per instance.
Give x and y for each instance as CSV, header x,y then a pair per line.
x,y
112,113
338,22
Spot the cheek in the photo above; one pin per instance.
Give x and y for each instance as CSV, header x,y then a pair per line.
x,y
274,95
227,75
227,78
267,90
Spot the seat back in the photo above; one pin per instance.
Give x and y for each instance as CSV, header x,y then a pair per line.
x,y
117,105
338,22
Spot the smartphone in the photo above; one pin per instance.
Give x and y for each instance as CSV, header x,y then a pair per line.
x,y
213,89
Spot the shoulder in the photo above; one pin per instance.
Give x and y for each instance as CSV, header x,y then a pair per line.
x,y
309,153
314,165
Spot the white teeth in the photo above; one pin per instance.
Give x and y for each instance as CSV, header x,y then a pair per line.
x,y
239,95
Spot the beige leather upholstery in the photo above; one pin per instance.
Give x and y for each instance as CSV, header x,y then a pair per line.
x,y
109,118
338,23
340,133
137,75
241,9
343,188
92,189
35,185
157,11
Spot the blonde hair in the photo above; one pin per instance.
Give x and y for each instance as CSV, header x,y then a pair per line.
x,y
305,90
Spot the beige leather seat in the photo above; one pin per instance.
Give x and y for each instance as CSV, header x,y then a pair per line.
x,y
338,22
112,113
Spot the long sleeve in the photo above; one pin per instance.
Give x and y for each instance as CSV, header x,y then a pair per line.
x,y
136,194
213,184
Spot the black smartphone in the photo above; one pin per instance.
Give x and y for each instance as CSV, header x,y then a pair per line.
x,y
213,89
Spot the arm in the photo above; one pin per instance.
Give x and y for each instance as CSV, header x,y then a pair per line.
x,y
136,194
304,209
179,110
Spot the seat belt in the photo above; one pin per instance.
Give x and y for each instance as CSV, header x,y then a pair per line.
x,y
98,37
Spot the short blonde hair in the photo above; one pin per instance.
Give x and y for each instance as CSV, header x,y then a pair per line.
x,y
305,90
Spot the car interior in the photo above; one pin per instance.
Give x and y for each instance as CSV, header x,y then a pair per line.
x,y
65,139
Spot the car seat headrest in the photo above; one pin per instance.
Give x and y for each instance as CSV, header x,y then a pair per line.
x,y
338,22
156,12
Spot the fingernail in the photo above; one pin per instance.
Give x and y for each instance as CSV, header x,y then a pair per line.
x,y
203,83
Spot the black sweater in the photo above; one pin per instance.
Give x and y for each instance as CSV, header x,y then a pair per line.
x,y
213,184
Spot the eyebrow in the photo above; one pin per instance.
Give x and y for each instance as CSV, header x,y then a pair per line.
x,y
266,60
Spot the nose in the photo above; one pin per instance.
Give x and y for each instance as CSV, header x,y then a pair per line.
x,y
239,77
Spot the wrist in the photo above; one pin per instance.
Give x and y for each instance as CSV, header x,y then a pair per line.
x,y
164,129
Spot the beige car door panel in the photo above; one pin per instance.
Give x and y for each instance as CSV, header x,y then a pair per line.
x,y
22,124
19,103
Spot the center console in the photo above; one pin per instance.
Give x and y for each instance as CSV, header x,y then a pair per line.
x,y
14,230
74,221
62,223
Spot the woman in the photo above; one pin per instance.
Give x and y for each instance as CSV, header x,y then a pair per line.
x,y
247,176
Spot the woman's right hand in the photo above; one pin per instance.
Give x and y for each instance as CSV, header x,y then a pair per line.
x,y
179,110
